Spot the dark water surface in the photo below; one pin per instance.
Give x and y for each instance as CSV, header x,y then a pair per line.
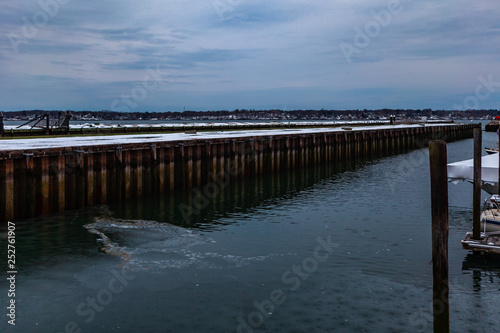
x,y
334,248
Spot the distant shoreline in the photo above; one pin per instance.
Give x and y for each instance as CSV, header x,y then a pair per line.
x,y
257,115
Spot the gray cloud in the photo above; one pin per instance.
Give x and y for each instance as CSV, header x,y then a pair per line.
x,y
254,54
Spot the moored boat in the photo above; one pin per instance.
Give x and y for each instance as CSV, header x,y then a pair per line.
x,y
491,150
493,126
490,216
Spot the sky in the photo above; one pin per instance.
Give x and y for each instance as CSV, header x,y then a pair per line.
x,y
171,55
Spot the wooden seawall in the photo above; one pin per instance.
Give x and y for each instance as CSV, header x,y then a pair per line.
x,y
37,181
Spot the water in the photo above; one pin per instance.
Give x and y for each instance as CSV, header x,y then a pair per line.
x,y
336,248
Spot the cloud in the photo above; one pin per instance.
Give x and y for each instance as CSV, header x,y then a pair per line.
x,y
249,52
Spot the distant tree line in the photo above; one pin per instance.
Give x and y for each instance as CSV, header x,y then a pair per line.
x,y
245,114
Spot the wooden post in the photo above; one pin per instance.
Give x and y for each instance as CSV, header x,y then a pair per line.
x,y
261,157
197,165
189,157
43,185
439,203
61,182
235,156
138,173
115,175
161,170
242,153
476,205
171,168
126,174
103,179
79,188
7,168
255,148
214,162
180,167
89,165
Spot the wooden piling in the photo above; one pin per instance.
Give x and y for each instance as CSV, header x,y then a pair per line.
x,y
69,179
235,159
150,170
189,165
214,161
127,182
81,177
222,159
256,149
138,172
439,203
43,186
89,181
7,169
180,169
261,156
198,158
114,165
161,170
171,168
60,173
476,206
103,178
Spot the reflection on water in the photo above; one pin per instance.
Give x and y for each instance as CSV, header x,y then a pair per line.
x,y
485,269
484,262
211,208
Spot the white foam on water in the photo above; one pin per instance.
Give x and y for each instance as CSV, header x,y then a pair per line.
x,y
151,245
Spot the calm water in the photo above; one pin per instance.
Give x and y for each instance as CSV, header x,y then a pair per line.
x,y
335,248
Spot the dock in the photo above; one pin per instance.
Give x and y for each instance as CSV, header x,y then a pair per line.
x,y
40,176
489,243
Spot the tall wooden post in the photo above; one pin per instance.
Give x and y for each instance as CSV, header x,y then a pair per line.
x,y
79,188
103,177
171,167
197,163
126,174
476,205
43,185
7,168
161,170
138,172
439,203
189,162
61,182
89,165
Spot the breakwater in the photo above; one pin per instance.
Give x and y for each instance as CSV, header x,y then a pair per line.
x,y
98,128
39,177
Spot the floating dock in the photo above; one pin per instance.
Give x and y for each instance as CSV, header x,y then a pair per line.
x,y
39,176
488,243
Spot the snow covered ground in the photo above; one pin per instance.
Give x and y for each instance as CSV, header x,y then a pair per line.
x,y
98,124
86,141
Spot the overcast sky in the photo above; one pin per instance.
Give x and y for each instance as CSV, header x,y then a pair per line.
x,y
161,55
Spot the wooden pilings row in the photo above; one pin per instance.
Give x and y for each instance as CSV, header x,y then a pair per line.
x,y
37,182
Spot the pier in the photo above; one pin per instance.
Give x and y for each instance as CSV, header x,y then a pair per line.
x,y
39,176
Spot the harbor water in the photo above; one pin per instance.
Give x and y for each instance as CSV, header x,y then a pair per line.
x,y
341,247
